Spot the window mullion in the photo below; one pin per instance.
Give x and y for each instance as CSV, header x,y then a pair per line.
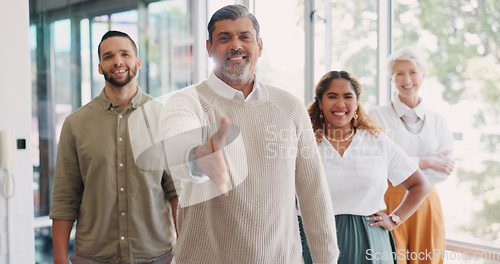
x,y
384,22
309,50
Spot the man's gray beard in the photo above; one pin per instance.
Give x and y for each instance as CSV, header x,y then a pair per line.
x,y
244,75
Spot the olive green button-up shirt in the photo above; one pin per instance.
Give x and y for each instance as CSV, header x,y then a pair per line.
x,y
123,212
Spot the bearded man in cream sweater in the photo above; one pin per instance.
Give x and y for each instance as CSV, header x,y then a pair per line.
x,y
244,151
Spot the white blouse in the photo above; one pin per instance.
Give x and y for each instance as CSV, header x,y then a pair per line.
x,y
358,179
434,138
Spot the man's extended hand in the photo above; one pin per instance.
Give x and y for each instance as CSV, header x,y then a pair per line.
x,y
211,161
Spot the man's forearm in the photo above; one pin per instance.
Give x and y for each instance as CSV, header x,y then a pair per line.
x,y
174,202
61,230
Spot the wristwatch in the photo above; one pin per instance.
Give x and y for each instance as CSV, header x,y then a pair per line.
x,y
193,165
395,218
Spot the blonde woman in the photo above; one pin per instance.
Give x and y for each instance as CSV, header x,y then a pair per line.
x,y
425,137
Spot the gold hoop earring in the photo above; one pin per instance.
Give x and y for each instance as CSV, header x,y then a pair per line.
x,y
321,115
355,122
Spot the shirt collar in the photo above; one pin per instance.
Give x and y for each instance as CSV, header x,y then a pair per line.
x,y
138,99
223,89
402,109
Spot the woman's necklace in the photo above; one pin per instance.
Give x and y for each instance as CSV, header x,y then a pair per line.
x,y
341,140
413,131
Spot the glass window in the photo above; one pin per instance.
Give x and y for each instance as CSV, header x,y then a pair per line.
x,y
282,60
61,72
43,245
346,39
170,58
460,39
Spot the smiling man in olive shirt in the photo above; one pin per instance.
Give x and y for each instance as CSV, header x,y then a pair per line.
x,y
124,214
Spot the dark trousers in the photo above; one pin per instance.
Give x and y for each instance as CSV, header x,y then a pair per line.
x,y
306,254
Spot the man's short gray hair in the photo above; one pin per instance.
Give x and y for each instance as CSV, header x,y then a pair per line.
x,y
232,12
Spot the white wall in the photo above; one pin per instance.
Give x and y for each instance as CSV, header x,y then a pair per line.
x,y
15,113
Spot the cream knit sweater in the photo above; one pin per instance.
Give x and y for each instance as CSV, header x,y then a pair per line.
x,y
272,156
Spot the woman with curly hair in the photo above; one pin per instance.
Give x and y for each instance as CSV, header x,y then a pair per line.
x,y
358,159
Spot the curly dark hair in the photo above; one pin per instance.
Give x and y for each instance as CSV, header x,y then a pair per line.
x,y
364,121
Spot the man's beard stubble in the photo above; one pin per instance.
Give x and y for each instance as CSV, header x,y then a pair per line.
x,y
243,70
131,73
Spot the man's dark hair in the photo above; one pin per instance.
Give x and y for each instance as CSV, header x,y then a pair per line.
x,y
114,33
232,12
